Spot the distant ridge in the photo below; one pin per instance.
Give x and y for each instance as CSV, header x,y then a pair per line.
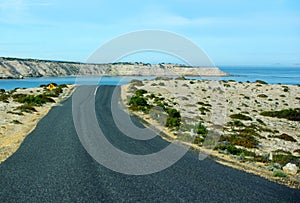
x,y
23,68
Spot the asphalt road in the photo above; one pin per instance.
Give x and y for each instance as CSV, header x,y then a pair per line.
x,y
53,166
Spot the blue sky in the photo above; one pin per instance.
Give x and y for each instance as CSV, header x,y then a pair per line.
x,y
231,32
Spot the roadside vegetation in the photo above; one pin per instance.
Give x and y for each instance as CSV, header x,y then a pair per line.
x,y
30,102
290,114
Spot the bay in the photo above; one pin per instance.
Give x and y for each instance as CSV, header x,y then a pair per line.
x,y
272,75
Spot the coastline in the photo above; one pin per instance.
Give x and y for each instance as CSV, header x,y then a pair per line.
x,y
15,126
253,167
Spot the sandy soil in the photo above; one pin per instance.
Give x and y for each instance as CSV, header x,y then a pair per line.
x,y
13,133
227,98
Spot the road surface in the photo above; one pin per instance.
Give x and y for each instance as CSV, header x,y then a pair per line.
x,y
52,166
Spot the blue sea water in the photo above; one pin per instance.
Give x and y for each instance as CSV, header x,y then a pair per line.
x,y
272,75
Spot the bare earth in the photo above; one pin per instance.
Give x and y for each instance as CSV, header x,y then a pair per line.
x,y
227,98
12,133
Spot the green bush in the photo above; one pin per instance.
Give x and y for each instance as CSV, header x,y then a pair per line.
x,y
139,103
16,122
37,100
290,114
261,82
260,121
236,123
202,130
26,108
4,97
262,96
173,122
279,173
240,117
283,159
242,137
198,140
234,150
174,118
285,137
140,92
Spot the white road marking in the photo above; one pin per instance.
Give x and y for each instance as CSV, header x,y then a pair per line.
x,y
96,90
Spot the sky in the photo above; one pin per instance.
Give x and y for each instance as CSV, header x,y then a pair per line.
x,y
231,32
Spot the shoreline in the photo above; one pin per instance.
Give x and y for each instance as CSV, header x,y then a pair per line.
x,y
16,126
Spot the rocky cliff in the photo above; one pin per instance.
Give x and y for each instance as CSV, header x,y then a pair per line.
x,y
22,68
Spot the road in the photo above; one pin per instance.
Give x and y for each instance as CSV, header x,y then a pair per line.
x,y
53,166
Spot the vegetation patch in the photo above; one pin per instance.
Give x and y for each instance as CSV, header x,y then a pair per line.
x,y
261,82
241,138
16,122
234,150
240,117
173,119
26,108
4,97
203,110
38,100
260,121
283,159
236,123
262,96
285,137
279,173
290,114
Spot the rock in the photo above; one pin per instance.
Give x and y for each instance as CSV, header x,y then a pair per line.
x,y
290,168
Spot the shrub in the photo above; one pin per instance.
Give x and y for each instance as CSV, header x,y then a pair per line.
x,y
203,110
297,151
4,97
26,108
283,159
63,86
290,114
285,137
37,100
262,96
138,103
137,82
236,123
240,117
173,122
260,121
174,118
198,140
285,88
234,150
279,173
203,104
201,130
140,92
261,82
180,78
16,122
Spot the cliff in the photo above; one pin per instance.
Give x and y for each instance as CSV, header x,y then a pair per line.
x,y
23,68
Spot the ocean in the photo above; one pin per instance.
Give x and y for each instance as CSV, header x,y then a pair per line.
x,y
272,75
